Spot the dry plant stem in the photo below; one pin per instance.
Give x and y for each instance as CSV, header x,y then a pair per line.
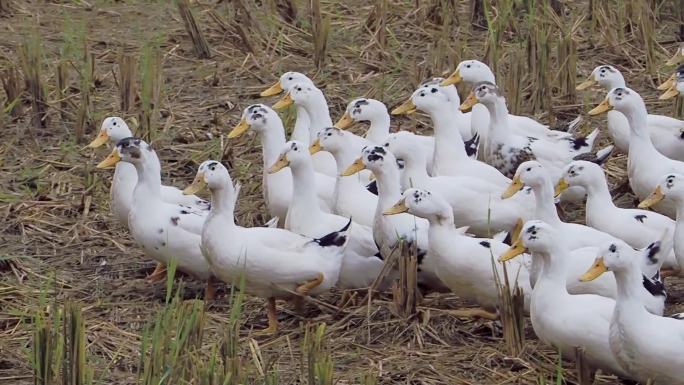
x,y
585,374
127,81
11,83
31,64
199,42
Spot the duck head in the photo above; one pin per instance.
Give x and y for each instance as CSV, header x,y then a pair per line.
x,y
112,130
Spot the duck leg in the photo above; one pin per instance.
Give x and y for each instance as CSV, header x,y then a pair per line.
x,y
474,313
272,317
158,274
210,291
305,288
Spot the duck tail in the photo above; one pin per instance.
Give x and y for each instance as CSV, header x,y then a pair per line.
x,y
600,157
573,125
591,138
337,238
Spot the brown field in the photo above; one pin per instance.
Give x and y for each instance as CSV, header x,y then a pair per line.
x,y
59,244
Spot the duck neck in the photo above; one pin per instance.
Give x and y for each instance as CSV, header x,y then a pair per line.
x,y
629,286
223,203
389,188
637,118
449,146
553,274
598,196
319,115
498,119
301,126
272,142
346,154
304,187
545,210
379,127
415,170
149,179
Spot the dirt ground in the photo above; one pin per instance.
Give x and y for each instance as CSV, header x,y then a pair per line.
x,y
63,243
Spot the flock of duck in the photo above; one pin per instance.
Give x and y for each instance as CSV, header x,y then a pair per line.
x,y
484,186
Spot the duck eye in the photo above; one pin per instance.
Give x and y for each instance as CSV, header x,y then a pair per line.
x,y
299,88
528,169
387,144
433,90
114,123
329,134
290,78
467,65
422,94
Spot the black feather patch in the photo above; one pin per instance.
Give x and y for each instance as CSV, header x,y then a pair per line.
x,y
485,244
653,250
379,256
578,143
336,238
640,217
472,144
655,287
175,220
373,187
508,239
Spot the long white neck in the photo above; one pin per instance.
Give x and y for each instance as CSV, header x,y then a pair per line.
x,y
414,173
223,203
498,119
301,128
379,127
598,196
149,184
545,210
441,227
629,288
317,108
449,146
272,141
348,152
304,196
640,140
389,189
553,276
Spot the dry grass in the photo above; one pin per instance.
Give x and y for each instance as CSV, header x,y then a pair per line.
x,y
59,243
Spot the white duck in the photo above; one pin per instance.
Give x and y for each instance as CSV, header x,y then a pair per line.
x,y
362,262
671,187
274,263
649,347
476,203
389,231
367,110
351,197
463,263
560,319
164,230
505,150
473,72
114,129
300,131
636,227
278,187
645,165
313,101
663,130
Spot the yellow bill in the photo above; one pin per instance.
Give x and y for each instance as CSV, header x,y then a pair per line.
x,y
668,83
655,197
315,147
517,229
516,249
240,129
280,164
198,184
677,58
560,187
398,208
470,101
101,139
594,271
515,186
601,108
408,107
272,90
669,94
353,168
454,78
110,160
344,122
283,102
586,84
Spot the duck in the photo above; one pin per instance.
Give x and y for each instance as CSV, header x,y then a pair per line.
x,y
663,130
650,348
635,226
671,187
645,164
312,99
472,72
368,110
674,86
389,232
462,262
163,230
112,130
274,263
560,319
362,262
351,197
300,131
506,150
277,187
475,202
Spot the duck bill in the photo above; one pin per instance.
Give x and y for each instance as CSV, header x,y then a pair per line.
x,y
283,102
655,197
594,271
398,208
677,58
667,84
601,108
315,147
586,84
239,129
275,89
198,184
344,122
112,159
517,229
355,167
408,107
560,187
454,78
470,101
669,94
101,139
280,164
515,186
516,249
